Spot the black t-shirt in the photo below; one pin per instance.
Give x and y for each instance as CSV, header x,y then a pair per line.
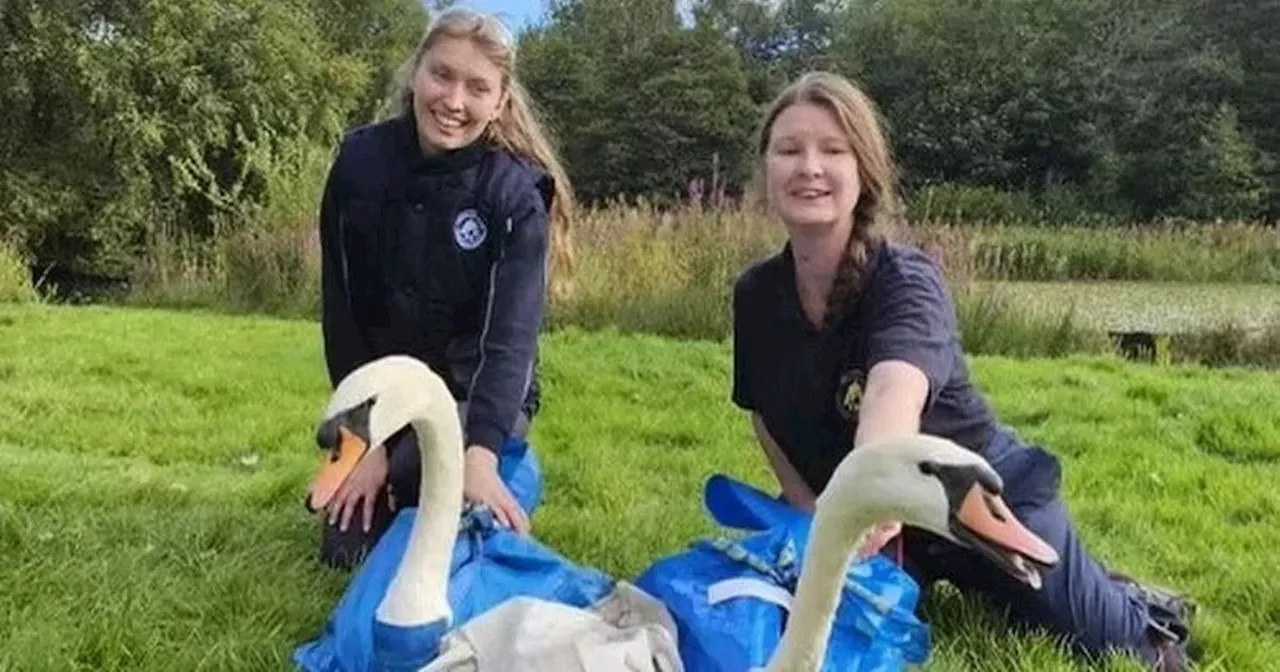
x,y
806,384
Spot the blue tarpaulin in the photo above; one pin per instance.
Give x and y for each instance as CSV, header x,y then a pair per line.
x,y
729,597
490,564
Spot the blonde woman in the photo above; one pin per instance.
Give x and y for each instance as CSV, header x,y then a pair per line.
x,y
845,337
441,230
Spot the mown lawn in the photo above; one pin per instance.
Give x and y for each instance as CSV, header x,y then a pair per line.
x,y
152,468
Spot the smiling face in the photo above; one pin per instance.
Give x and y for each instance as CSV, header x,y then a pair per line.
x,y
457,92
811,171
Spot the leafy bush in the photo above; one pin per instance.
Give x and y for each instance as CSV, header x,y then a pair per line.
x,y
15,276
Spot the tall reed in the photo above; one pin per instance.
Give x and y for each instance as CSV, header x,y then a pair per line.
x,y
670,272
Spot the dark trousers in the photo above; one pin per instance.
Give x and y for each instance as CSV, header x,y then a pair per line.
x,y
404,472
1079,601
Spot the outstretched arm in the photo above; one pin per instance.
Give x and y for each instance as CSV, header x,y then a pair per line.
x,y
910,351
910,358
893,402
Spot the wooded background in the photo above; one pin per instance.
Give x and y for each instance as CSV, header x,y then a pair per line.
x,y
126,120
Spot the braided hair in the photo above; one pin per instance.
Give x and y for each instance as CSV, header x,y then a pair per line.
x,y
879,210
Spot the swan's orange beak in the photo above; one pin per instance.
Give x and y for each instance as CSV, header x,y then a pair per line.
x,y
339,461
992,528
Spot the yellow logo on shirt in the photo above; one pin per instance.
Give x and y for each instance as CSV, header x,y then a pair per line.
x,y
849,394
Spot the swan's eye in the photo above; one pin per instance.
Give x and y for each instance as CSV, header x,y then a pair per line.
x,y
327,436
354,419
929,468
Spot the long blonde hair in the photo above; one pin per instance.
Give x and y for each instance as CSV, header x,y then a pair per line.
x,y
519,127
879,208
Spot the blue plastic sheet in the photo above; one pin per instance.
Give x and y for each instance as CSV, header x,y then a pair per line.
x,y
723,628
490,565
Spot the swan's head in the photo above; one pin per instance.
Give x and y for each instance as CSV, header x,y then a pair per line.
x,y
370,405
934,484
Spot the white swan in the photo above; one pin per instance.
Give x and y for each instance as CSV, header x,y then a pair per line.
x,y
413,625
370,405
921,480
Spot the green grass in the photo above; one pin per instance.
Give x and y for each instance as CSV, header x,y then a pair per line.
x,y
152,466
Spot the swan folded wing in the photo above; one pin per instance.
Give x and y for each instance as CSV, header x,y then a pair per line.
x,y
626,631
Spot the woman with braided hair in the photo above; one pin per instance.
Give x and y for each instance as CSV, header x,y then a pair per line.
x,y
845,336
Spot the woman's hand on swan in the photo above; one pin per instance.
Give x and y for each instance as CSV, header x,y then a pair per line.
x,y
361,486
482,484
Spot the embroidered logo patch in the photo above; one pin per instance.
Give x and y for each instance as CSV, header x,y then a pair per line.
x,y
469,231
849,394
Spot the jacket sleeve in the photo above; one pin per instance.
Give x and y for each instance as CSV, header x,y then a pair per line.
x,y
510,323
344,347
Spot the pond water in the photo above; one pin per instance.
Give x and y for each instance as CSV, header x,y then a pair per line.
x,y
1149,306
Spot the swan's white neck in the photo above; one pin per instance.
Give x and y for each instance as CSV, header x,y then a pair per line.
x,y
832,544
419,592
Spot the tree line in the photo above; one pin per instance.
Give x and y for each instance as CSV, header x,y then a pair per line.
x,y
128,119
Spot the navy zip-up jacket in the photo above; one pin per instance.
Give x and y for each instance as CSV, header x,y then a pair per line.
x,y
442,258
